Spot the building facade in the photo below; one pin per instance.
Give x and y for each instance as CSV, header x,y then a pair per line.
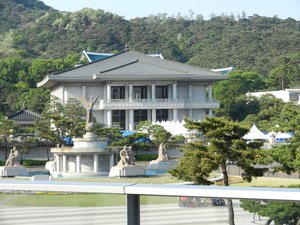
x,y
134,87
287,95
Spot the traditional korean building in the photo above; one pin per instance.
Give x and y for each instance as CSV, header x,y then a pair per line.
x,y
24,121
134,87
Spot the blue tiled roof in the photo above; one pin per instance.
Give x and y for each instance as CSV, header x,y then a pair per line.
x,y
95,57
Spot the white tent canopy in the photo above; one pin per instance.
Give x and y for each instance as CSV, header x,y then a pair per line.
x,y
174,127
255,134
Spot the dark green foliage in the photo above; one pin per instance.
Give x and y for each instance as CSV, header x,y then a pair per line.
x,y
68,120
280,212
31,162
223,142
146,157
269,47
2,163
18,81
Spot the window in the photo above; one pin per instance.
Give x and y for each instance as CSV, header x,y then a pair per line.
x,y
140,92
118,92
161,92
118,119
140,115
162,115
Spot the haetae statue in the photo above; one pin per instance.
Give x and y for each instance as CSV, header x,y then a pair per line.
x,y
126,156
162,153
13,158
89,124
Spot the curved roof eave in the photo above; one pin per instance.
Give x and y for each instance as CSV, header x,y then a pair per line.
x,y
51,80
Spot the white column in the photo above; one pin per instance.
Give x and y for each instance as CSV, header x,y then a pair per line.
x,y
58,164
174,98
83,91
108,118
148,92
131,120
149,114
210,98
78,163
108,92
174,114
64,163
153,92
126,92
153,115
111,160
130,92
174,91
190,92
62,94
96,162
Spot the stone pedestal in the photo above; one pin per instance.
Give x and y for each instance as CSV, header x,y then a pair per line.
x,y
127,171
161,166
89,157
12,171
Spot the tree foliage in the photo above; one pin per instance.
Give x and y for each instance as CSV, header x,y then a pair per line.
x,y
279,212
59,121
222,143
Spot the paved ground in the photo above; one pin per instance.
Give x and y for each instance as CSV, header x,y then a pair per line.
x,y
167,214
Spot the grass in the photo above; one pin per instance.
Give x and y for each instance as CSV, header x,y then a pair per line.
x,y
159,179
77,200
265,182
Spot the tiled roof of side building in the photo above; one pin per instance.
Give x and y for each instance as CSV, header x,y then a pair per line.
x,y
24,115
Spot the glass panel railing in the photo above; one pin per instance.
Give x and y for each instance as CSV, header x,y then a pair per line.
x,y
45,208
198,211
79,203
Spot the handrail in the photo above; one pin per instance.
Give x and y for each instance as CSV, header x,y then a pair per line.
x,y
262,193
133,192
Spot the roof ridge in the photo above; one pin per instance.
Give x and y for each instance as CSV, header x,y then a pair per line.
x,y
73,68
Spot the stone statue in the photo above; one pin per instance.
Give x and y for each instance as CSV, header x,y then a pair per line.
x,y
131,156
126,156
12,158
162,153
89,125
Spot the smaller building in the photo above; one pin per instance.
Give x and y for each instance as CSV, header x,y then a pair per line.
x,y
24,120
287,95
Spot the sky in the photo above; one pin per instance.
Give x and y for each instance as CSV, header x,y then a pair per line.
x,y
131,9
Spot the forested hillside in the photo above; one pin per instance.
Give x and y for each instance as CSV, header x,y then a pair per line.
x,y
36,39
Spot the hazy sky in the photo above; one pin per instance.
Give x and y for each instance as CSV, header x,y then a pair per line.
x,y
142,8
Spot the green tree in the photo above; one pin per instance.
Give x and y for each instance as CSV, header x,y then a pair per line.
x,y
229,91
59,121
35,99
6,130
286,73
157,133
223,143
279,212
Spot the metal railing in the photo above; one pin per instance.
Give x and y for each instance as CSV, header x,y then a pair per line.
x,y
133,191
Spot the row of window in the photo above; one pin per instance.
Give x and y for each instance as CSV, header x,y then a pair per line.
x,y
139,92
118,117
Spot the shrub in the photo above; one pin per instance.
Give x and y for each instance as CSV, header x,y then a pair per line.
x,y
146,157
31,162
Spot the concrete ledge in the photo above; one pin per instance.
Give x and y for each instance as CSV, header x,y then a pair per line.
x,y
127,171
13,171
